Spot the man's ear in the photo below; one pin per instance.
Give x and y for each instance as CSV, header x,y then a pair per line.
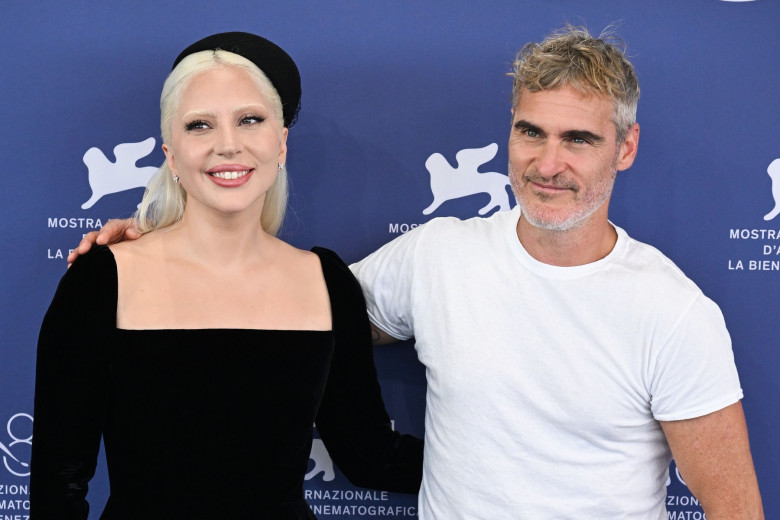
x,y
628,148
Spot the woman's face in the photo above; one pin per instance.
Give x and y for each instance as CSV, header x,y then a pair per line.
x,y
226,142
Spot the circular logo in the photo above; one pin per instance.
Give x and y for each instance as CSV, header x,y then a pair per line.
x,y
17,452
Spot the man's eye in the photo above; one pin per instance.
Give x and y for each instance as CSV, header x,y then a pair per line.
x,y
531,133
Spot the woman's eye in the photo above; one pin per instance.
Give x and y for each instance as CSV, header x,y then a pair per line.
x,y
252,120
196,125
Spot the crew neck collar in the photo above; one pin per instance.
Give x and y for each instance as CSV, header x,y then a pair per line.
x,y
554,271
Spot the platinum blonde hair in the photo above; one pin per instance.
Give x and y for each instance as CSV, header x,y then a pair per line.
x,y
164,200
571,56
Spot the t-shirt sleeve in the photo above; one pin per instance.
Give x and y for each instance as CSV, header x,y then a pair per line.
x,y
694,371
71,387
386,277
352,419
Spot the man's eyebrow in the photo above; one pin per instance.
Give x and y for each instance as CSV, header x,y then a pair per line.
x,y
584,135
522,124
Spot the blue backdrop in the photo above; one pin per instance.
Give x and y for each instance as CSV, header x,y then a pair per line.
x,y
385,86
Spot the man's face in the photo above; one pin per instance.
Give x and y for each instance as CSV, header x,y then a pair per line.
x,y
563,157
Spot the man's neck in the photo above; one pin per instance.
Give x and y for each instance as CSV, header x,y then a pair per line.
x,y
582,245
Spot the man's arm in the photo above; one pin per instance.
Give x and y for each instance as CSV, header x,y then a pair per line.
x,y
712,453
114,231
380,337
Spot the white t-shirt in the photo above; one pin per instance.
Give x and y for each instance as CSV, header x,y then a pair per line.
x,y
546,384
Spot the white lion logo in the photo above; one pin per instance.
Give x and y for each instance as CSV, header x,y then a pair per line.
x,y
106,177
449,183
322,462
774,173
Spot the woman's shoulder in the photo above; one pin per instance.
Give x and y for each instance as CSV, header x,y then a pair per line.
x,y
337,273
145,245
91,281
99,260
332,265
296,261
296,266
328,255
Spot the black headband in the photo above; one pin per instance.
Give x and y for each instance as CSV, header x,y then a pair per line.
x,y
269,57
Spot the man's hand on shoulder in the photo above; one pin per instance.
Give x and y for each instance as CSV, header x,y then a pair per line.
x,y
114,231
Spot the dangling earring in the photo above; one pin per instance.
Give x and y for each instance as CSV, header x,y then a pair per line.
x,y
280,166
176,179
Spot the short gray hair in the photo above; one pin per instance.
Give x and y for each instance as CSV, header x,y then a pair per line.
x,y
571,56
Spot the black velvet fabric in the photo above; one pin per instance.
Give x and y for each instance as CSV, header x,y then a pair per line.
x,y
275,63
213,423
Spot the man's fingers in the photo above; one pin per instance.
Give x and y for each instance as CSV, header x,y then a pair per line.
x,y
132,233
84,246
117,230
114,231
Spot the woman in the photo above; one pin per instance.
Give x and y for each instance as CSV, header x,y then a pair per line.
x,y
204,351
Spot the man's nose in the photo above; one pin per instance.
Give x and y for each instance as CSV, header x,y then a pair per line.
x,y
550,162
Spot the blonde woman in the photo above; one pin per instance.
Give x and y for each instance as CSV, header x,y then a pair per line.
x,y
203,352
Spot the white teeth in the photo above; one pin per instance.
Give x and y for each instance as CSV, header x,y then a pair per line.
x,y
230,175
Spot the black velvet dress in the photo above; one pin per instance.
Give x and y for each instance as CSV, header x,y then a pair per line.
x,y
213,423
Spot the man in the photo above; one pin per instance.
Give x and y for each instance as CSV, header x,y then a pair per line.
x,y
563,358
566,362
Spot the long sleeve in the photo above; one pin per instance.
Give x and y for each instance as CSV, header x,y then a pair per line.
x,y
71,387
352,419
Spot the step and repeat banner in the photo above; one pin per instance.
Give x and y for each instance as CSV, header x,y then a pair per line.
x,y
393,92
